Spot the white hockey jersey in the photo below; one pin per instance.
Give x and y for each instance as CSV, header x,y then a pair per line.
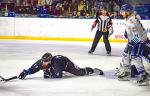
x,y
135,30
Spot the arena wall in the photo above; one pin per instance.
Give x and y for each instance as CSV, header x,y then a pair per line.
x,y
63,29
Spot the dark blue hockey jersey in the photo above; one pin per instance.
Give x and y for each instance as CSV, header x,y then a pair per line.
x,y
56,67
53,70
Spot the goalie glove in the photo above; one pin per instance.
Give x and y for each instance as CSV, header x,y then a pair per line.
x,y
23,74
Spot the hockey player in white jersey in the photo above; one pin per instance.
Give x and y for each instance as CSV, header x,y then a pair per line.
x,y
138,47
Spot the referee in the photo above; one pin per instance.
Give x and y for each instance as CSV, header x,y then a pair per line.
x,y
104,23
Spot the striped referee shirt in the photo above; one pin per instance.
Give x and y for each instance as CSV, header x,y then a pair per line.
x,y
104,23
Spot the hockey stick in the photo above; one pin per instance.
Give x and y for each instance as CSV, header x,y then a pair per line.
x,y
8,79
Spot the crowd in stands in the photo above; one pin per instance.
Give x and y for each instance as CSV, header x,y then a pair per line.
x,y
59,8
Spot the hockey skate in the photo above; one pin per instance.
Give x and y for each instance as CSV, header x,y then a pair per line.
x,y
98,71
90,52
108,53
122,74
143,81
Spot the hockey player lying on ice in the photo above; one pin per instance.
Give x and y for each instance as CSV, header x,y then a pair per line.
x,y
53,67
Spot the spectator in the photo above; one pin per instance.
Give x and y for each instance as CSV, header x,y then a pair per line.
x,y
48,2
35,2
111,6
74,6
20,9
115,15
116,7
57,11
74,14
21,2
34,11
88,6
81,6
78,14
9,1
93,12
120,2
50,10
40,2
45,2
65,6
83,12
88,15
69,12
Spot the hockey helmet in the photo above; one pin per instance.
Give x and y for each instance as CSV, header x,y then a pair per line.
x,y
127,8
47,57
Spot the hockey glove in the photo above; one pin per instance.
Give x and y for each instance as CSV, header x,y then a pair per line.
x,y
23,74
111,31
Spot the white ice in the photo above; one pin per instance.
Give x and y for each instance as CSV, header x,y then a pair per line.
x,y
17,55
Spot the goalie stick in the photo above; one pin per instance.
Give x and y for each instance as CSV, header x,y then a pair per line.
x,y
7,79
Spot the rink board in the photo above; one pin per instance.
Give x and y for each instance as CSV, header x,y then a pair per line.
x,y
58,29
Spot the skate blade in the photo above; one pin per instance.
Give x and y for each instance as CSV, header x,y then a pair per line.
x,y
146,83
125,79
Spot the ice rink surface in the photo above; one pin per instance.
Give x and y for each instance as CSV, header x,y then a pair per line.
x,y
18,55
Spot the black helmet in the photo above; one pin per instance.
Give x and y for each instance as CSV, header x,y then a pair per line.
x,y
47,57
